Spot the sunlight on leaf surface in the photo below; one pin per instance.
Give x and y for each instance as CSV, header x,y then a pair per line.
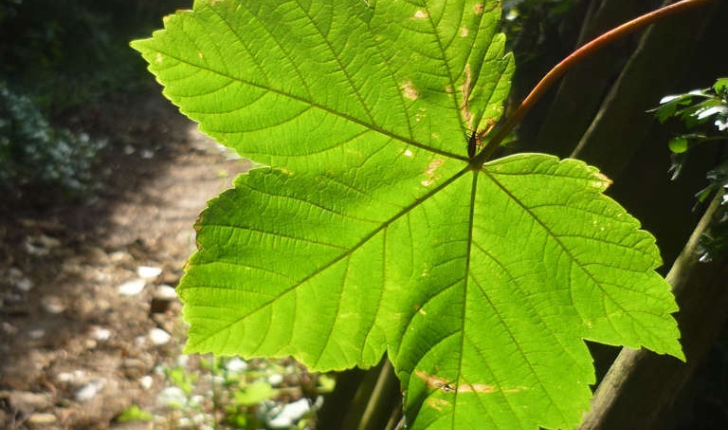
x,y
371,232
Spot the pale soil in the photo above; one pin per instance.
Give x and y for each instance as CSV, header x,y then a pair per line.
x,y
64,326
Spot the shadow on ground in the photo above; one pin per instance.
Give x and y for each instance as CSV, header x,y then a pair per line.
x,y
82,323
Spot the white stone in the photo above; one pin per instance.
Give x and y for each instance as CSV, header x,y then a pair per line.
x,y
275,379
75,377
119,256
236,365
41,419
147,154
18,280
183,360
101,334
165,292
159,337
149,272
53,305
146,382
23,284
90,390
172,396
131,288
36,334
196,400
291,413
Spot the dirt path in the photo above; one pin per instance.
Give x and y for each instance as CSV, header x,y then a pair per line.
x,y
84,315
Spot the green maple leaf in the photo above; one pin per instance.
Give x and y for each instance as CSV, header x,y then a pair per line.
x,y
372,230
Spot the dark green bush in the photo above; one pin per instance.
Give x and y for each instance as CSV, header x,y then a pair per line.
x,y
56,56
32,152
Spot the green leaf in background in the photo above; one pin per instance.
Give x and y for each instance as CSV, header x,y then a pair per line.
x,y
372,231
721,85
254,393
678,144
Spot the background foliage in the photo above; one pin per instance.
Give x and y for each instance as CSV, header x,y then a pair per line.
x,y
704,114
56,56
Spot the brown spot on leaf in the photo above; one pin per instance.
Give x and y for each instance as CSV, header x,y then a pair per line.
x,y
514,390
409,91
466,88
475,388
604,179
478,8
437,404
438,383
431,172
420,14
435,382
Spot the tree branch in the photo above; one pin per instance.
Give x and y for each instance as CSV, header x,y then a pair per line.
x,y
575,58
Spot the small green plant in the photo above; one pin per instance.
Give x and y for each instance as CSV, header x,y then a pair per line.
x,y
704,113
132,414
232,393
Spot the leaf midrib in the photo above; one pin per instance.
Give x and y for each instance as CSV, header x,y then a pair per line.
x,y
466,285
